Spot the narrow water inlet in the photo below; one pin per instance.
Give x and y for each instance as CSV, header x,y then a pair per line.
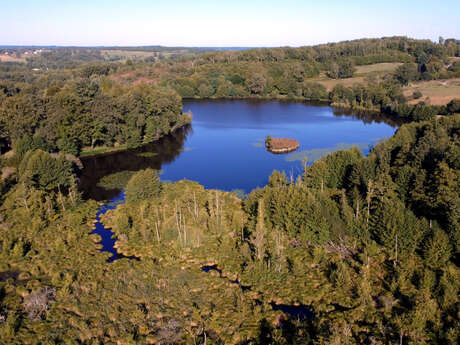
x,y
107,236
209,268
301,312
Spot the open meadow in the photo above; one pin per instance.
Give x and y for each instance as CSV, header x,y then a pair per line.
x,y
9,58
439,92
360,75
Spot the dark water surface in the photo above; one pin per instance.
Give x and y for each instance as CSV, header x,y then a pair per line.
x,y
224,146
107,238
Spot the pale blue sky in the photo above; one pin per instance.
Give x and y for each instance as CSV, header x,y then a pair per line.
x,y
221,23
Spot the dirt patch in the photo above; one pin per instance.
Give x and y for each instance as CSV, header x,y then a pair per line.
x,y
144,80
9,58
440,92
361,73
7,172
133,77
348,82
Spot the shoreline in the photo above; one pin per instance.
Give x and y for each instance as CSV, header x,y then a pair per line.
x,y
283,150
322,102
124,147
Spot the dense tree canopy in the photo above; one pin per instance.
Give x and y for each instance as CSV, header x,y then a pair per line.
x,y
88,113
357,250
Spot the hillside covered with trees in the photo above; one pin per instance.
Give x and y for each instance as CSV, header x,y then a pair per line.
x,y
357,250
115,107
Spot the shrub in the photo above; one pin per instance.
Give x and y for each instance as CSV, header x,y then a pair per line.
x,y
26,143
417,94
268,141
44,171
453,106
406,73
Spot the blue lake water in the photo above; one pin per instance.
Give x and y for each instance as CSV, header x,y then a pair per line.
x,y
224,146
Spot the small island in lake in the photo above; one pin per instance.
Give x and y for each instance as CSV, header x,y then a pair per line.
x,y
281,145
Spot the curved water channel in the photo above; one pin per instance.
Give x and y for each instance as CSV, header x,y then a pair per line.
x,y
224,149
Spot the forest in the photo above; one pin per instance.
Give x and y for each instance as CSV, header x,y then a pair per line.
x,y
356,250
119,102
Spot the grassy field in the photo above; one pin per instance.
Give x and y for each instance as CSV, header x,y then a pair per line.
x,y
362,72
439,91
88,151
378,68
121,54
330,83
9,58
126,54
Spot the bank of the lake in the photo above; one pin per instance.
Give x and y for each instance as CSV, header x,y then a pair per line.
x,y
224,146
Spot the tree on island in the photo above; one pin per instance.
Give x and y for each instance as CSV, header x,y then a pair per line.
x,y
268,142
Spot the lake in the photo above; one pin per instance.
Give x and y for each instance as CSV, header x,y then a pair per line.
x,y
224,146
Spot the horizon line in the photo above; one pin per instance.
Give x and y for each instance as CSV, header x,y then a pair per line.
x,y
208,46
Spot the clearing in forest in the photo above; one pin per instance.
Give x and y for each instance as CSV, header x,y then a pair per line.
x,y
440,92
360,75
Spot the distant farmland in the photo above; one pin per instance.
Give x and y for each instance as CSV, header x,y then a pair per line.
x,y
125,54
362,72
9,58
439,91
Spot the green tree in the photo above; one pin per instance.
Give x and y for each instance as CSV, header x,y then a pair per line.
x,y
268,142
97,132
417,94
45,171
27,143
257,83
278,179
259,237
406,73
145,184
346,69
438,250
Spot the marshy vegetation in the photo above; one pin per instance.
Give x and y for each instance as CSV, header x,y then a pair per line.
x,y
356,250
391,218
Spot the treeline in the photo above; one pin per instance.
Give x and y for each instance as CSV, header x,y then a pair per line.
x,y
54,58
294,64
378,95
87,112
429,68
64,58
84,105
362,52
387,97
286,73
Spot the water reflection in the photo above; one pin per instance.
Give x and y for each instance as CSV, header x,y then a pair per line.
x,y
368,117
225,149
153,156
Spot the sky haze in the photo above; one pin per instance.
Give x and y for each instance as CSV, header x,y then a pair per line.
x,y
221,23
